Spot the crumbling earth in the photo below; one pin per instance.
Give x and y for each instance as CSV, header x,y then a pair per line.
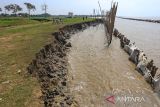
x,y
50,67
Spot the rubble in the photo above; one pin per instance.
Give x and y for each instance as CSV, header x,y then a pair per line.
x,y
143,65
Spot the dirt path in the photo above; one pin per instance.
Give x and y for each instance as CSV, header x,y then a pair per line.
x,y
97,72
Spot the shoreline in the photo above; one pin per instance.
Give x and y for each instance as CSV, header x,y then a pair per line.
x,y
144,65
138,19
50,66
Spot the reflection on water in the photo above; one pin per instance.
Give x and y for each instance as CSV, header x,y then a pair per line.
x,y
97,72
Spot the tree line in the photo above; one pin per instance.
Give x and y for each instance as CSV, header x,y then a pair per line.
x,y
15,8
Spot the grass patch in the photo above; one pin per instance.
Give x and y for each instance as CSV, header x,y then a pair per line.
x,y
7,22
18,46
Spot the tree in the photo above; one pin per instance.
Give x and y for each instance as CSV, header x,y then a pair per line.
x,y
7,8
44,8
30,7
13,7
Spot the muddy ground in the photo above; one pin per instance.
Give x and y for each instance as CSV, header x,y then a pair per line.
x,y
50,67
98,72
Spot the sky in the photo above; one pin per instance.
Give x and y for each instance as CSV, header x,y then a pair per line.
x,y
129,8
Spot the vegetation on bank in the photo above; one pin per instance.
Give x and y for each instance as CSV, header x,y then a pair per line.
x,y
12,21
18,46
16,21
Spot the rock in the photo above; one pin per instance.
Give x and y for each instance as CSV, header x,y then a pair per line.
x,y
19,71
115,32
69,100
148,77
156,84
127,49
51,75
0,99
59,37
134,56
142,68
68,44
64,83
6,82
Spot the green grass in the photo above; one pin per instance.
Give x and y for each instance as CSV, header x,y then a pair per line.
x,y
18,46
16,21
7,22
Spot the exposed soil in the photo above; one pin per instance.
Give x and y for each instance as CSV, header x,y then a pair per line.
x,y
50,67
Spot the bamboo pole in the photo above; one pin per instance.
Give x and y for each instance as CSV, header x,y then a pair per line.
x,y
109,22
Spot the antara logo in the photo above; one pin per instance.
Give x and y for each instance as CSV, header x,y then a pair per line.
x,y
130,99
111,99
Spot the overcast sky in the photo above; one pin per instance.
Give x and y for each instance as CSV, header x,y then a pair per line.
x,y
131,8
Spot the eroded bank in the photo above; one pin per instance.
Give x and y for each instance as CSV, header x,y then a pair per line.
x,y
50,67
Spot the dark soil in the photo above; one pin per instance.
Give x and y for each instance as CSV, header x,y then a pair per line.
x,y
50,67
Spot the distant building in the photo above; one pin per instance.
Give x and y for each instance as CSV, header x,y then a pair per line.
x,y
70,14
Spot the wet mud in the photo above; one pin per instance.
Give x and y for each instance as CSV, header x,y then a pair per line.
x,y
79,69
98,72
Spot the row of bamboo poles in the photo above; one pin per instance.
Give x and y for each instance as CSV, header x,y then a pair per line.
x,y
109,21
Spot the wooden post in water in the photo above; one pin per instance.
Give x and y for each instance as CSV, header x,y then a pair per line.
x,y
109,22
